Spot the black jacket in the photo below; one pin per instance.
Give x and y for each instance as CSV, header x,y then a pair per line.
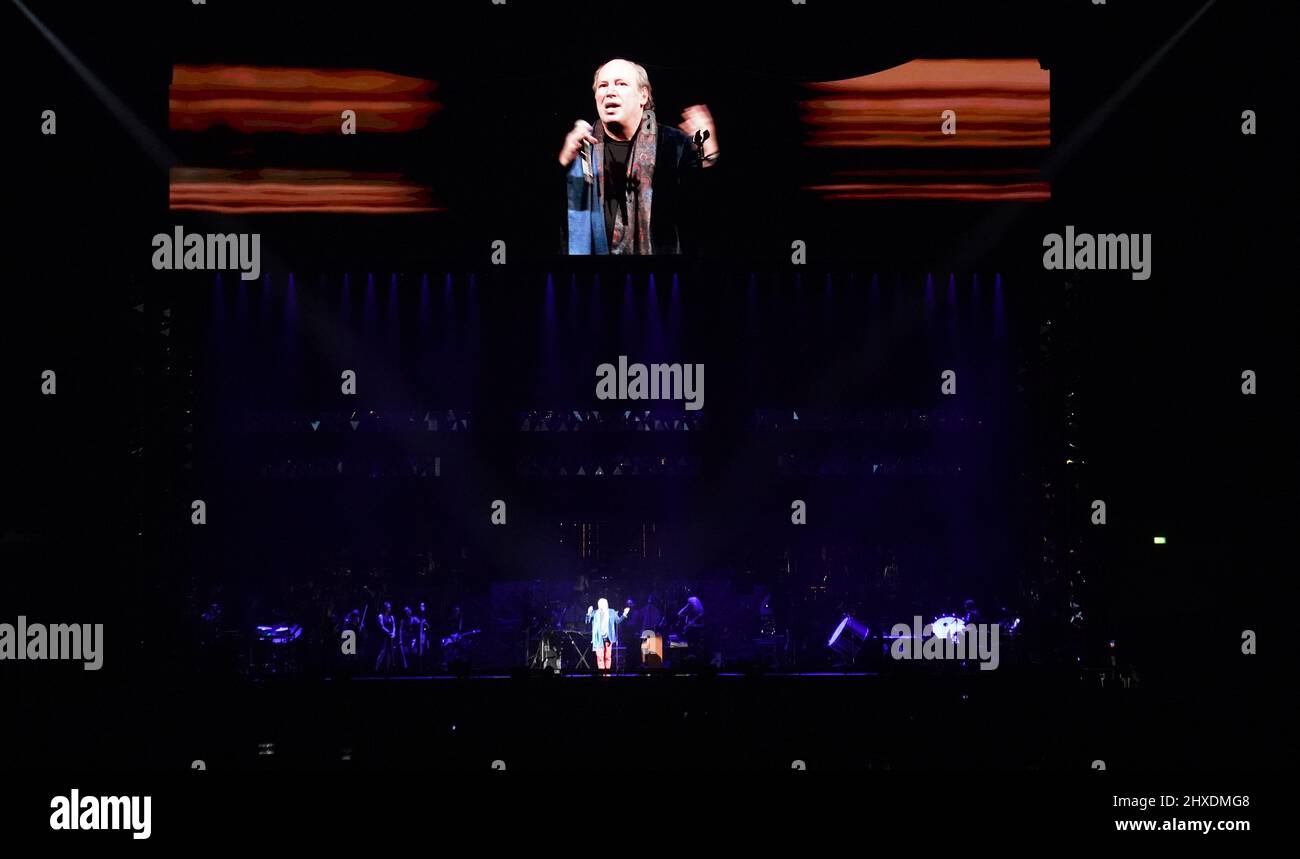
x,y
681,193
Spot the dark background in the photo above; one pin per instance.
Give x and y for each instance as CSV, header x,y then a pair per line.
x,y
95,516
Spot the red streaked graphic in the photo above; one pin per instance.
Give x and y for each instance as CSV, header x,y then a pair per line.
x,y
1002,113
998,103
272,191
1010,184
254,99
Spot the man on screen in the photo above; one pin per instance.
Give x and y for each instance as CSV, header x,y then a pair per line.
x,y
630,181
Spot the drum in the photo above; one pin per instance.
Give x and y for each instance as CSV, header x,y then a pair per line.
x,y
279,634
948,626
848,637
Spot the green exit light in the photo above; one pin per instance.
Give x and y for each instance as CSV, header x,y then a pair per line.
x,y
1160,541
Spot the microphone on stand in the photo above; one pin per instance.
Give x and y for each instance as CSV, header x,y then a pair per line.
x,y
700,136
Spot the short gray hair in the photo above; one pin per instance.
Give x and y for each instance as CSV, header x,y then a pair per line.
x,y
642,79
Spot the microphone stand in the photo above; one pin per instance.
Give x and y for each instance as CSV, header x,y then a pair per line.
x,y
700,136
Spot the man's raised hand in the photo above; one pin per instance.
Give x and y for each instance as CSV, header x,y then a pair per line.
x,y
574,141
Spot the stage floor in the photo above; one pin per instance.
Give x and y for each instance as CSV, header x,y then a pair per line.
x,y
588,675
1013,719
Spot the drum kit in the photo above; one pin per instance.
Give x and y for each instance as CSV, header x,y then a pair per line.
x,y
279,634
272,651
948,626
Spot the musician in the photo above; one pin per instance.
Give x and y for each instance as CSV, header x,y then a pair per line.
x,y
766,614
455,622
889,577
651,616
604,631
410,637
389,644
351,621
626,162
453,639
579,595
354,622
422,632
691,614
690,619
635,617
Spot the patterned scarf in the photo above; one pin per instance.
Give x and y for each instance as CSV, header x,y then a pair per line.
x,y
586,196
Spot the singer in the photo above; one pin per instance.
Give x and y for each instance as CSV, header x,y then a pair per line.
x,y
632,183
604,631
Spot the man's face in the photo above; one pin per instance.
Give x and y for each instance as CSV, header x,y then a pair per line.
x,y
618,99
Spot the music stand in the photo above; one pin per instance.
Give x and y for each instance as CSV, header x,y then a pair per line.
x,y
582,653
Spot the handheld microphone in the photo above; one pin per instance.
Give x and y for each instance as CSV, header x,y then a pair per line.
x,y
586,148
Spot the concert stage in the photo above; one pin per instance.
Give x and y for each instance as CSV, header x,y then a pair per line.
x,y
357,422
